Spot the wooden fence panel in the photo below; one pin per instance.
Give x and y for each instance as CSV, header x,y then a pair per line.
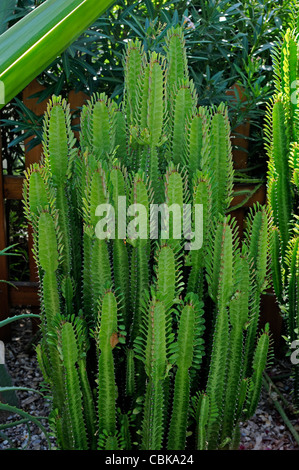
x,y
4,300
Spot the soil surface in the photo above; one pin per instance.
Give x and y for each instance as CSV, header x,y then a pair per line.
x,y
267,430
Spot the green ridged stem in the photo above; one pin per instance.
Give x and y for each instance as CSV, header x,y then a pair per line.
x,y
119,136
220,165
223,285
288,73
56,141
143,97
51,306
281,199
38,197
237,307
139,263
178,423
88,404
67,291
175,195
72,384
281,143
151,116
177,69
167,276
155,336
47,243
100,271
276,264
293,279
258,245
243,393
197,142
184,104
58,147
217,372
152,428
139,281
133,67
259,365
106,377
294,163
101,144
238,317
130,373
86,274
250,341
188,338
97,268
155,105
96,130
48,258
196,259
121,276
220,263
111,443
96,193
202,419
62,206
75,223
120,251
258,256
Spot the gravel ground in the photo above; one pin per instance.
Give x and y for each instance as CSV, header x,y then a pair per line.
x,y
24,371
265,431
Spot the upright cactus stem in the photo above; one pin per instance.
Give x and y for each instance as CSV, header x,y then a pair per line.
x,y
141,250
177,61
257,243
59,152
106,341
152,349
188,351
133,67
141,277
281,142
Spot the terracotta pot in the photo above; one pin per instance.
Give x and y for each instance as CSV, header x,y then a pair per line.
x,y
270,313
240,200
76,101
240,145
240,135
33,155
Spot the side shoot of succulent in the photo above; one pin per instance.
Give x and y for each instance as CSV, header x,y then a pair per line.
x,y
188,351
152,348
107,338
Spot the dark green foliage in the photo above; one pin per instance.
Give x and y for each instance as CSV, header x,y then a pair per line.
x,y
225,43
